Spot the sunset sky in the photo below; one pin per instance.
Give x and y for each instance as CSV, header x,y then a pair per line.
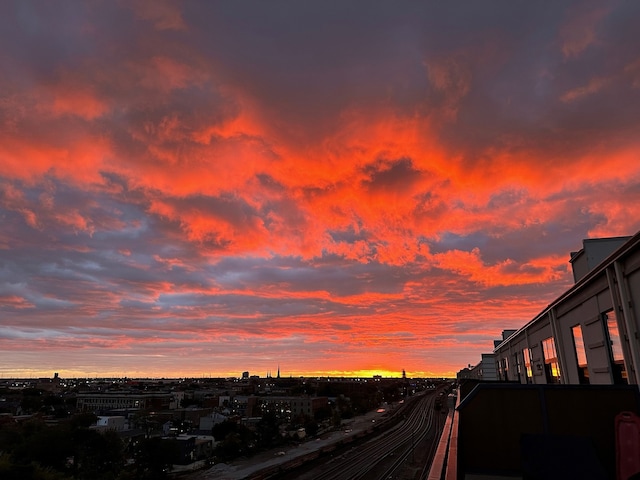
x,y
193,188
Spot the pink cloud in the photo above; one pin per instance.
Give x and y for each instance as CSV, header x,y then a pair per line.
x,y
594,86
579,31
15,301
164,15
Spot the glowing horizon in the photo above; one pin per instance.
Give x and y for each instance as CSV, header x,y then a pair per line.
x,y
199,189
363,374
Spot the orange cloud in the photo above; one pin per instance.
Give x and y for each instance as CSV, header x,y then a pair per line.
x,y
506,272
82,103
177,179
594,86
163,74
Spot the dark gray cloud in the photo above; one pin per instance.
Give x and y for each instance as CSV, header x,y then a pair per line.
x,y
293,181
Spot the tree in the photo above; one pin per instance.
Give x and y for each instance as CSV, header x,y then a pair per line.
x,y
83,420
267,431
31,400
156,457
12,471
222,429
322,413
336,419
311,426
235,440
98,455
45,446
392,392
33,450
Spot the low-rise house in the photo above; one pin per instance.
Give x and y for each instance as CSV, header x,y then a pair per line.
x,y
116,423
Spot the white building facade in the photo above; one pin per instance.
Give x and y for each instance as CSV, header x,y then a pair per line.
x,y
589,335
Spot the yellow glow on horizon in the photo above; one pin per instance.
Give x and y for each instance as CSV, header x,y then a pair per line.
x,y
69,373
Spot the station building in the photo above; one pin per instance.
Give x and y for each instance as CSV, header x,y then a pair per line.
x,y
589,335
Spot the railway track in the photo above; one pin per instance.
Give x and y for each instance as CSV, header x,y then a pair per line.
x,y
385,456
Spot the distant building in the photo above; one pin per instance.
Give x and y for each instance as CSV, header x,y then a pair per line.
x,y
176,400
254,406
186,448
307,405
485,370
49,384
116,423
104,401
206,423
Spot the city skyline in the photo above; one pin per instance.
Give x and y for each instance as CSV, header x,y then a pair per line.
x,y
195,189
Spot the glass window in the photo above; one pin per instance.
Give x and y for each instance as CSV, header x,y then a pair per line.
x,y
518,365
615,348
551,366
526,355
505,368
581,355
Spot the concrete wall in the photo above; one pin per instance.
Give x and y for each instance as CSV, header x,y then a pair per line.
x,y
495,419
